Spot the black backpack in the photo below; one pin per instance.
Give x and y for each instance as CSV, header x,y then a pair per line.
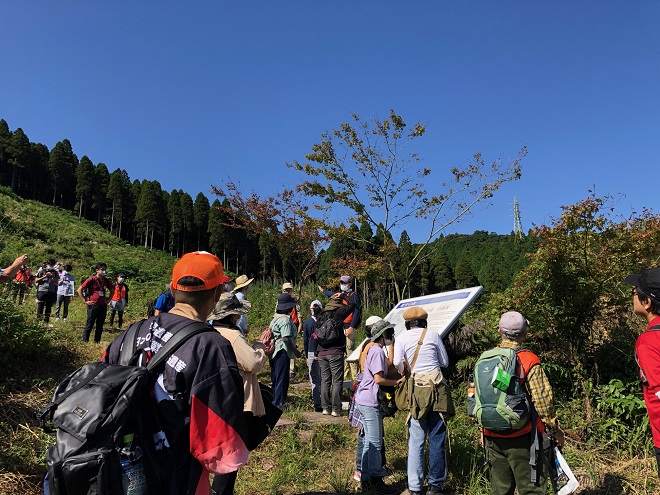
x,y
330,333
151,308
108,428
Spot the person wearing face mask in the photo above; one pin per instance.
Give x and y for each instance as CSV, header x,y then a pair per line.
x,y
119,300
351,322
374,366
95,291
65,290
46,282
242,287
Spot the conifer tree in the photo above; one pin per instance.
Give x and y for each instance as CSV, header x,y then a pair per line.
x,y
62,165
443,272
216,230
5,136
136,192
188,219
176,222
99,191
19,154
119,188
38,172
201,214
84,184
464,274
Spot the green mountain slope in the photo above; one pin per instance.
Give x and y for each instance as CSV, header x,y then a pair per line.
x,y
49,232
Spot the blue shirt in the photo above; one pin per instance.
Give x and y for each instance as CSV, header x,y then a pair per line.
x,y
165,302
309,342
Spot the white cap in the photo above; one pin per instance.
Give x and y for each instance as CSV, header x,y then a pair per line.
x,y
371,320
316,302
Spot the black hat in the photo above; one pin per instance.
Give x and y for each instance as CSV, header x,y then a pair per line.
x,y
285,301
649,282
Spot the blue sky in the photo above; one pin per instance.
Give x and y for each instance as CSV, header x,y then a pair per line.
x,y
192,93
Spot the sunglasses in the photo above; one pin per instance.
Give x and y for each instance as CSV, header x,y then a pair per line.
x,y
633,292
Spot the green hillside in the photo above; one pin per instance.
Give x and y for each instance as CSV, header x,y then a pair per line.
x,y
49,232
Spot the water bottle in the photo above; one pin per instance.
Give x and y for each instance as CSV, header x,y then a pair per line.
x,y
133,477
471,400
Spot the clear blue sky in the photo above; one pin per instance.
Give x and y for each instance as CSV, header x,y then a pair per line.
x,y
190,93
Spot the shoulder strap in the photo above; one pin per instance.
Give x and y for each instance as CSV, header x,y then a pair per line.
x,y
419,345
654,328
527,361
177,340
172,345
363,354
129,343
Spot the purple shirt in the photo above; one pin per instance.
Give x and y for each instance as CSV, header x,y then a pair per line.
x,y
367,392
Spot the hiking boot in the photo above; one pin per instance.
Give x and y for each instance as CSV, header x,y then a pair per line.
x,y
378,486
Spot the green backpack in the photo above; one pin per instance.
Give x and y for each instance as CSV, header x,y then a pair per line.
x,y
502,406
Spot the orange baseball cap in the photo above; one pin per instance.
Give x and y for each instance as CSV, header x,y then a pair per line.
x,y
205,266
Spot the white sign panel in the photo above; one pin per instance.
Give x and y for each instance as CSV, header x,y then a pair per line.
x,y
444,310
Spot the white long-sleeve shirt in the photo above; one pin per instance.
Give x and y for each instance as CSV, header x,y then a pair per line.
x,y
432,354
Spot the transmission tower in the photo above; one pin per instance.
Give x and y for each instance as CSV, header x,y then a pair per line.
x,y
517,226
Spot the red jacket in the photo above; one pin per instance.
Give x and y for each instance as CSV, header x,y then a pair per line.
x,y
647,353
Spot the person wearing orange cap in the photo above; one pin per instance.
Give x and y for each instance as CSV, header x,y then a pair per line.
x,y
421,351
199,390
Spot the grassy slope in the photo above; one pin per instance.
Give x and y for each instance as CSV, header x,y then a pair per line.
x,y
305,459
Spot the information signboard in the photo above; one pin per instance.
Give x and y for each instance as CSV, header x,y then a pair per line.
x,y
444,310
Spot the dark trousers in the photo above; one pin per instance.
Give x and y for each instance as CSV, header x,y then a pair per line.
x,y
223,484
332,376
120,317
62,300
45,302
279,377
19,290
509,467
95,315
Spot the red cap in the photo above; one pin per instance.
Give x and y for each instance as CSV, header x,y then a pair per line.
x,y
205,266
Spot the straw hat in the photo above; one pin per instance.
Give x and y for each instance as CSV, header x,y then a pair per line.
x,y
242,281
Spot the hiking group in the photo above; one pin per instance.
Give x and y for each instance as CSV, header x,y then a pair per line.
x,y
205,408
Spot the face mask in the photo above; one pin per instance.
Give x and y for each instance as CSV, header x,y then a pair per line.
x,y
121,280
344,287
388,341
